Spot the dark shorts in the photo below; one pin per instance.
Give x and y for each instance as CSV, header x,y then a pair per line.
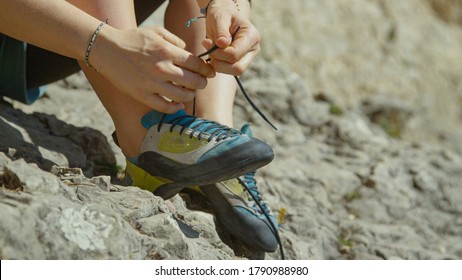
x,y
13,71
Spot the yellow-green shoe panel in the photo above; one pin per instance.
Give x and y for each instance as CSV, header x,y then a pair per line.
x,y
136,176
177,143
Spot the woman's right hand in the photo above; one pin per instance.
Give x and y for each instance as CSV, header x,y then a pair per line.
x,y
151,65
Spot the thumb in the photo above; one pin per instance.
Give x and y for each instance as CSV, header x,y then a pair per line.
x,y
220,30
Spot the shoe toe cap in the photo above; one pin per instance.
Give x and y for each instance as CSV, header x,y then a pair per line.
x,y
260,234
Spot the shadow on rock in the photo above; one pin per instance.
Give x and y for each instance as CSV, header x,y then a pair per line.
x,y
46,141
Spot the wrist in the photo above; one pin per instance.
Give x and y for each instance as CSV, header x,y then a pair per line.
x,y
91,43
237,7
246,4
103,44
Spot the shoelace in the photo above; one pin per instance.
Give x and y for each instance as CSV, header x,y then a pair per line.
x,y
241,87
249,179
221,131
203,128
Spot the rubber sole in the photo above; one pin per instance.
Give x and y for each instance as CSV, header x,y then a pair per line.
x,y
233,163
168,190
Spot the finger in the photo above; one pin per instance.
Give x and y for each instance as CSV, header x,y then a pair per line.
x,y
188,79
168,72
160,104
174,92
193,63
246,40
235,69
184,78
207,43
242,44
218,29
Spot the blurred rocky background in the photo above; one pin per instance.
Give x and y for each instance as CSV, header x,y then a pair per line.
x,y
367,97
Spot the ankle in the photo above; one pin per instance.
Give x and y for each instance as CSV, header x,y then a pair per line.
x,y
130,142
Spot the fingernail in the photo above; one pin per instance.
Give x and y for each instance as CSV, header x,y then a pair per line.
x,y
211,73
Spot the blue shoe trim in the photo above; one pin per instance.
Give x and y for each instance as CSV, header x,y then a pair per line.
x,y
226,145
247,130
132,159
261,217
154,117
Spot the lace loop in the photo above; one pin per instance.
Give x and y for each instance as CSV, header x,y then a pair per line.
x,y
203,128
250,185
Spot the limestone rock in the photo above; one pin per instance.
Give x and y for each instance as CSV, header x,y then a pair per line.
x,y
53,219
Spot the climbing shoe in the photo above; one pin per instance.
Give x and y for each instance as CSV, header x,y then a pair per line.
x,y
239,207
181,150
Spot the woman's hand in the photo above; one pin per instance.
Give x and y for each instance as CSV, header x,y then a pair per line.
x,y
223,19
151,65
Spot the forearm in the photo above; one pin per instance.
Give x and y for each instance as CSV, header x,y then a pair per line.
x,y
53,25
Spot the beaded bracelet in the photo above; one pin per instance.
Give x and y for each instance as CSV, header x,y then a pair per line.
x,y
204,10
90,44
237,5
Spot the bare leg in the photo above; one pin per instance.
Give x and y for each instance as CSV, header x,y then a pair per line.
x,y
215,102
125,112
